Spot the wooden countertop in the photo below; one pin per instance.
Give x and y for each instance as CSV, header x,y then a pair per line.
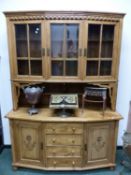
x,y
46,114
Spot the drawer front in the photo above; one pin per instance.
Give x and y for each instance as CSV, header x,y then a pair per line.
x,y
64,162
68,128
63,140
68,151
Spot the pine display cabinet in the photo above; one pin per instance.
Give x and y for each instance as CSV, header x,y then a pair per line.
x,y
64,51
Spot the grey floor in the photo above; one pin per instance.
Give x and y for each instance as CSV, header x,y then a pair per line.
x,y
6,168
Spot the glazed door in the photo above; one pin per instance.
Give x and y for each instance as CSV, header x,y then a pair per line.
x,y
64,49
28,143
29,49
99,45
100,143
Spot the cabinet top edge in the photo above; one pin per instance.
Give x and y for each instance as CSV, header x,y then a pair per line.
x,y
78,13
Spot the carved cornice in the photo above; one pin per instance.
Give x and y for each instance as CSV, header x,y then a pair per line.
x,y
97,16
21,18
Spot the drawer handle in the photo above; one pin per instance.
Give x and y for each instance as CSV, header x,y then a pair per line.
x,y
72,152
54,163
53,140
53,129
73,141
73,163
73,129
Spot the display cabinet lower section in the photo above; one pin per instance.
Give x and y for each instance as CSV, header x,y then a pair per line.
x,y
64,144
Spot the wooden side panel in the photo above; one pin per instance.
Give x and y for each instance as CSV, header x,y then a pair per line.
x,y
28,142
100,138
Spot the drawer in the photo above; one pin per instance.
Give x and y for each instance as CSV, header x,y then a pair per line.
x,y
64,162
68,128
68,151
51,140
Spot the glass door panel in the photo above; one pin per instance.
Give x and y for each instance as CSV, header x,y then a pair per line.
x,y
23,67
35,49
100,49
21,40
64,49
28,49
57,68
57,40
36,67
71,68
35,40
72,37
93,41
107,41
92,68
105,68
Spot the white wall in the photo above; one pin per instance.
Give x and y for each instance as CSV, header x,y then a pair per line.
x,y
124,85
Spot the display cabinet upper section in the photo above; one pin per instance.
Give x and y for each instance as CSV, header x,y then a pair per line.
x,y
64,46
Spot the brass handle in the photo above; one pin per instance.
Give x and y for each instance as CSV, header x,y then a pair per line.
x,y
53,129
41,146
43,51
53,140
85,147
80,52
73,129
72,152
73,163
48,52
85,52
73,141
54,163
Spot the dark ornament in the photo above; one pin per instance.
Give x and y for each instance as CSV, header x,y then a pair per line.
x,y
32,95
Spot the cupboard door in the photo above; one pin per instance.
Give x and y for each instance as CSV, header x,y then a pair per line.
x,y
29,44
100,143
28,142
99,49
64,48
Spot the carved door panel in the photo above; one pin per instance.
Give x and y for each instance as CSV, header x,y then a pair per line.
x,y
100,143
28,142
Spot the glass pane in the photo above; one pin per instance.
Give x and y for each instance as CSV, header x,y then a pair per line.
x,y
57,40
105,67
21,40
72,35
107,41
92,68
71,68
36,67
57,68
23,67
93,41
35,40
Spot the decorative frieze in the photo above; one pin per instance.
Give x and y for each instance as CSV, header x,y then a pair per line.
x,y
18,16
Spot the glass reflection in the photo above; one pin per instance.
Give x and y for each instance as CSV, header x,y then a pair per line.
x,y
21,40
71,68
93,41
57,68
57,40
35,40
72,40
